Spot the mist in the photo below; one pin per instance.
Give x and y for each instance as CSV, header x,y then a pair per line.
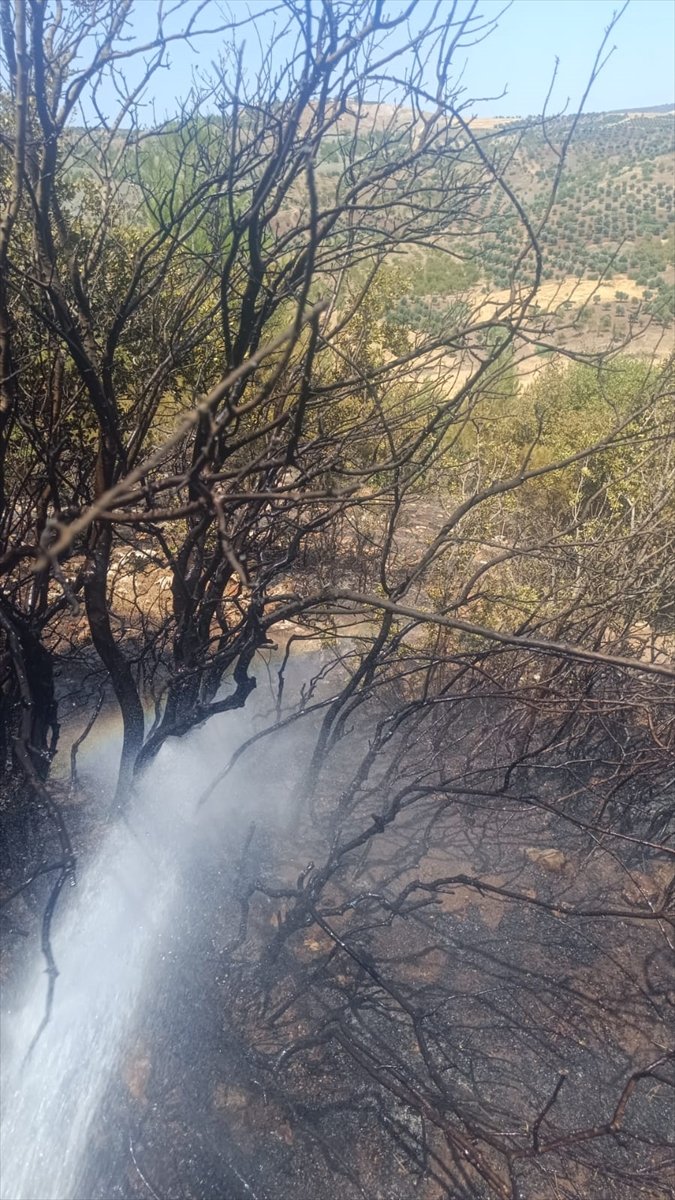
x,y
115,933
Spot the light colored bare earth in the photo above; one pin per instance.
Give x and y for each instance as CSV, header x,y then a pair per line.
x,y
556,292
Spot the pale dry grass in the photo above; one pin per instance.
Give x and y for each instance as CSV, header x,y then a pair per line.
x,y
555,292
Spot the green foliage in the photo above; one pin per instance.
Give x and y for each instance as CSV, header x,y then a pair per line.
x,y
591,513
567,410
442,274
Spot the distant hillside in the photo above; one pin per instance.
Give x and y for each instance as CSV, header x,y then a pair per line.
x,y
650,108
614,213
613,220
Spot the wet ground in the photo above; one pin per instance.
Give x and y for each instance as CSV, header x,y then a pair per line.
x,y
366,1050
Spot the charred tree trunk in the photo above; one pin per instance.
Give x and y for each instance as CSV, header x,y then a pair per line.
x,y
28,728
113,659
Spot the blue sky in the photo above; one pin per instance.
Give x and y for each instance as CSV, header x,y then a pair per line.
x,y
518,56
521,54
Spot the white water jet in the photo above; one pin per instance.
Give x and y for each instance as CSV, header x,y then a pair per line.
x,y
105,934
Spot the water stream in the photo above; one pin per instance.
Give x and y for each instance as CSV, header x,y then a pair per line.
x,y
105,938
